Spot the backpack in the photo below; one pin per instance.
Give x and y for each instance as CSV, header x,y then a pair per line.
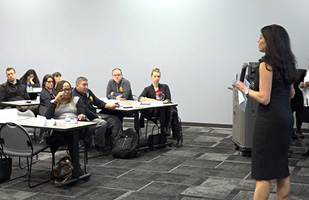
x,y
62,171
126,145
176,126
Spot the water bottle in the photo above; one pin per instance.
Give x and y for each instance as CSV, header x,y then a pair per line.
x,y
67,119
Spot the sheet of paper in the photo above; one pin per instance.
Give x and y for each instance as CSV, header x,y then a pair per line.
x,y
242,99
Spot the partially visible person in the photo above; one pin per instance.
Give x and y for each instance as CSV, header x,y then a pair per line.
x,y
30,79
304,87
48,92
150,94
62,107
13,90
297,103
57,78
104,121
274,121
118,87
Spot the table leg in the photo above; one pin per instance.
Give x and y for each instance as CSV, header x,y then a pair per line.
x,y
75,159
136,125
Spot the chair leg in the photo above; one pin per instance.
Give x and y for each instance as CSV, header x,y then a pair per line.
x,y
146,129
23,167
29,176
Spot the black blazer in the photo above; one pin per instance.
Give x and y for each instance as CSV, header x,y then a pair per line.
x,y
297,103
150,92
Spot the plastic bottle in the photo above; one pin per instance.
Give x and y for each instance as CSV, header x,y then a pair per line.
x,y
67,119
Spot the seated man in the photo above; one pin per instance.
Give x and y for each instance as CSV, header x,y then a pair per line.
x,y
104,121
118,87
13,90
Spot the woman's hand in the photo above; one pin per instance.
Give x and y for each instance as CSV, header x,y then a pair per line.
x,y
241,86
302,85
31,81
81,117
59,96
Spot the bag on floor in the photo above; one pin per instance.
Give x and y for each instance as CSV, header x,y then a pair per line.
x,y
176,126
126,145
5,167
62,171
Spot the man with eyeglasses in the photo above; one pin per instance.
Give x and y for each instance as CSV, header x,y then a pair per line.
x,y
104,121
118,87
13,90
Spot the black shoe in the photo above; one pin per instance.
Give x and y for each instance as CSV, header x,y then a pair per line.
x,y
294,136
101,151
300,134
306,153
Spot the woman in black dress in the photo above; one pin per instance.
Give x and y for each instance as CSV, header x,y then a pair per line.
x,y
274,120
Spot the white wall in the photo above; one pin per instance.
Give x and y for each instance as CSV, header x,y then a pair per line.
x,y
199,45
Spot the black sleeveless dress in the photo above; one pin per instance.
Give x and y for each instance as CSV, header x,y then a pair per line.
x,y
272,134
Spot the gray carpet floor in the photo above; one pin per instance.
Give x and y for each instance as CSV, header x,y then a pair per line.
x,y
207,166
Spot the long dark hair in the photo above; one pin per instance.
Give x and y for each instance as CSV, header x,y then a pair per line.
x,y
278,53
31,71
59,88
45,78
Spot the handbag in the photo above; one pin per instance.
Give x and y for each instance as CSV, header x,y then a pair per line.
x,y
62,171
5,167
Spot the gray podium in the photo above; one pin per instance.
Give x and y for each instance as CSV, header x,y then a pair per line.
x,y
243,124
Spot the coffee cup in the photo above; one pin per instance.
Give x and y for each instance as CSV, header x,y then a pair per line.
x,y
160,96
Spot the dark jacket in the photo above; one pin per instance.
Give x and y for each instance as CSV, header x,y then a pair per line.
x,y
149,92
122,88
46,96
90,100
10,92
297,103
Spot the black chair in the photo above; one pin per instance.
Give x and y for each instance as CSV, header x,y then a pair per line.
x,y
15,141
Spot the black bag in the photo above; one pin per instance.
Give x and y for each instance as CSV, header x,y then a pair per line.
x,y
5,167
305,115
62,171
126,145
176,126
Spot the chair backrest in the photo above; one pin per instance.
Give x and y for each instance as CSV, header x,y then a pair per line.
x,y
15,140
27,113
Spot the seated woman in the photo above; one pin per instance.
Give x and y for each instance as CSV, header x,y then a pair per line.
x,y
160,92
48,92
30,78
64,106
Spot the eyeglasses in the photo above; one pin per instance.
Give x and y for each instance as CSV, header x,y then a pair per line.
x,y
117,74
66,90
49,81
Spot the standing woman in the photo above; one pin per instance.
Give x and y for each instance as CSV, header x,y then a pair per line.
x,y
30,78
274,122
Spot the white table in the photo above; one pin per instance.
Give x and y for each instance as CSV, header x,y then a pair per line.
x,y
136,107
20,103
67,128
